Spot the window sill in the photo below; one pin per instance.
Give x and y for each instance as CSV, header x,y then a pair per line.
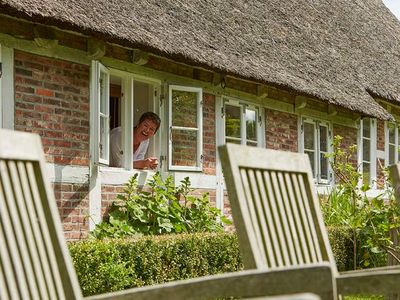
x,y
119,176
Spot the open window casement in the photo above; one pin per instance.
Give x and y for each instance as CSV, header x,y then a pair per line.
x,y
242,123
367,151
101,111
392,143
185,128
1,92
316,139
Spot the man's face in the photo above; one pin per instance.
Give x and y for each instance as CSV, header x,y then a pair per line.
x,y
145,130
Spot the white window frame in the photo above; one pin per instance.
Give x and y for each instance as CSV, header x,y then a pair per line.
x,y
317,147
372,139
7,105
103,98
127,90
1,88
396,143
97,70
199,128
243,106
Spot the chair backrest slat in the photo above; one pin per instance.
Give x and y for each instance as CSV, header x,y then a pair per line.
x,y
267,223
13,234
33,256
34,235
274,207
309,221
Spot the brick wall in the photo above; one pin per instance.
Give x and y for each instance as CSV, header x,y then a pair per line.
x,y
380,135
73,205
52,99
281,131
380,145
209,137
228,213
349,136
108,195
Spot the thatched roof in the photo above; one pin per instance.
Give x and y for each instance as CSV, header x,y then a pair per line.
x,y
343,51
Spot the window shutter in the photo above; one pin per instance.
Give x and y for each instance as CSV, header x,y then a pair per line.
x,y
185,128
101,112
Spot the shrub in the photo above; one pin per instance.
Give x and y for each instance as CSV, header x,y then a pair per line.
x,y
163,209
341,244
370,220
115,264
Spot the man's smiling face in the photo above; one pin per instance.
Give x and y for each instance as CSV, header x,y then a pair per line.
x,y
145,130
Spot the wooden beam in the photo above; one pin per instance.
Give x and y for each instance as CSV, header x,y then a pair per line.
x,y
262,91
45,37
96,48
300,102
332,111
139,57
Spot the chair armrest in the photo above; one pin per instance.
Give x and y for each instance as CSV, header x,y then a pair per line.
x,y
378,281
249,283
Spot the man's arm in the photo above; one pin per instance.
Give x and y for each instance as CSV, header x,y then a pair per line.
x,y
147,163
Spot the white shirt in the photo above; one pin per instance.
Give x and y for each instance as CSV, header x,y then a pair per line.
x,y
116,152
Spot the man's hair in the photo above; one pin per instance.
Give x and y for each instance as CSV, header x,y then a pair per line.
x,y
151,117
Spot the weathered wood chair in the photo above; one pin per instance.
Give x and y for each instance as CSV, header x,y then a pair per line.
x,y
34,259
394,173
279,224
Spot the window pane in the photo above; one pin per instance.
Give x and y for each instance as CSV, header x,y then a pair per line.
x,y
366,150
311,157
324,166
397,153
251,125
323,138
103,137
309,136
366,173
233,140
366,127
232,121
184,109
184,147
251,143
392,154
392,133
103,92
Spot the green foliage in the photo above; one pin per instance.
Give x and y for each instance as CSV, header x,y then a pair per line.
x,y
370,219
163,209
115,264
341,244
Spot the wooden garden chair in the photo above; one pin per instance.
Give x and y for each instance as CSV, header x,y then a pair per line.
x,y
279,223
34,258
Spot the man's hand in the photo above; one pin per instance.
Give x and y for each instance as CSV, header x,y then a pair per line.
x,y
152,162
147,163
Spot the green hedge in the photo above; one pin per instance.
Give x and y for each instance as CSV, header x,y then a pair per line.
x,y
342,247
110,265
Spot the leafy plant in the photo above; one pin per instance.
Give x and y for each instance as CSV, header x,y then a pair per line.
x,y
163,209
370,219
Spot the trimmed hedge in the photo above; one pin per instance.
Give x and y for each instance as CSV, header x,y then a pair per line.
x,y
342,247
110,265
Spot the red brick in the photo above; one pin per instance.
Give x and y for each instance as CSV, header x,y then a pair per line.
x,y
44,92
281,131
63,112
